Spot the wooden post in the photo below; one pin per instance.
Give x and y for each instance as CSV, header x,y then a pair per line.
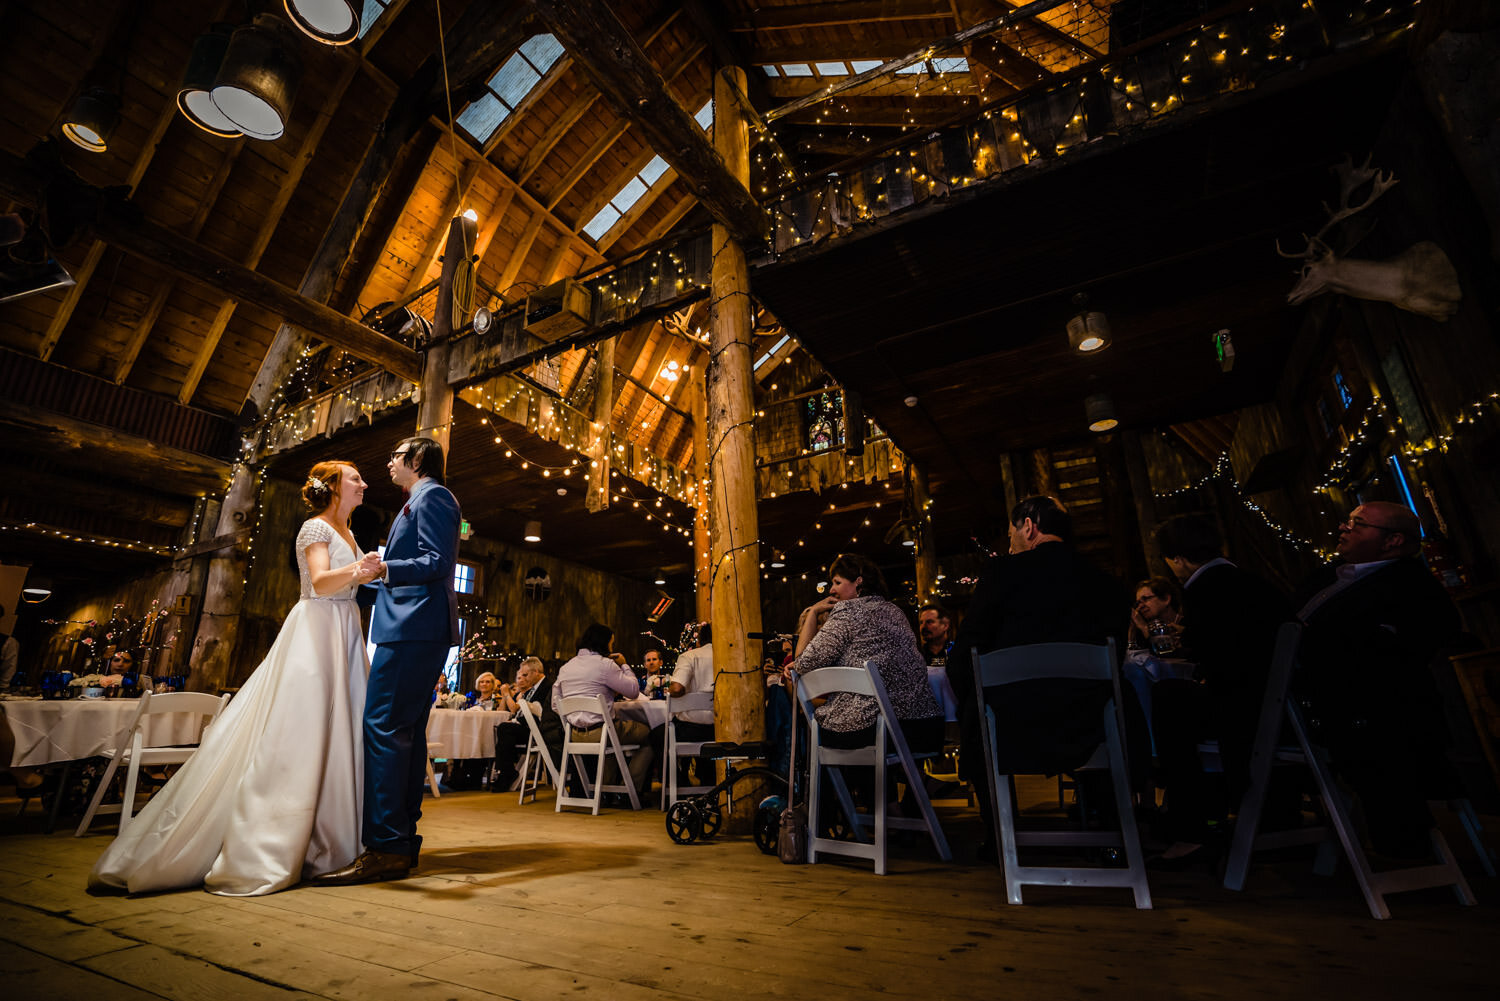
x,y
734,528
604,407
455,302
1145,500
702,547
926,537
217,638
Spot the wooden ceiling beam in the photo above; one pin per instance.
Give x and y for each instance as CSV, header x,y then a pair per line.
x,y
127,456
435,242
633,214
826,15
672,218
600,44
1053,32
518,256
270,218
88,491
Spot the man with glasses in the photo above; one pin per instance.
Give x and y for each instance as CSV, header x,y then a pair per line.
x,y
414,623
1374,622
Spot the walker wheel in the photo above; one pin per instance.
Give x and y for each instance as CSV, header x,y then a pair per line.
x,y
768,824
683,823
709,818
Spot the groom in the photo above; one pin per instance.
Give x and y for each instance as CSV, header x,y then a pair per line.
x,y
414,623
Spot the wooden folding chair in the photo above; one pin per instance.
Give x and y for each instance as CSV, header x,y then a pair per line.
x,y
674,749
1081,661
537,758
132,751
607,745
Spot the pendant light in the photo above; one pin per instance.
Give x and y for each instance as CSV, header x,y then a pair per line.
x,y
1099,411
533,531
194,98
332,22
258,81
1088,332
92,119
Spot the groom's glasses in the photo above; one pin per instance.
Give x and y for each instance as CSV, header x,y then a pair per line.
x,y
397,456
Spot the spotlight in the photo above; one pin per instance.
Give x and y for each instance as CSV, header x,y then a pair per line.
x,y
193,97
332,22
257,84
92,119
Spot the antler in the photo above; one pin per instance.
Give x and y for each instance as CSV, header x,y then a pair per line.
x,y
1315,248
1351,179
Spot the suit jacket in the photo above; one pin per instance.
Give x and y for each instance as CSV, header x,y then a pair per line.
x,y
1366,651
1230,621
415,601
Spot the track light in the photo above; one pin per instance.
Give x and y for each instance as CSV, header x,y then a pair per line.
x,y
92,119
332,22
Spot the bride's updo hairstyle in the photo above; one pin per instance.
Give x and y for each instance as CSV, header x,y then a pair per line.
x,y
322,486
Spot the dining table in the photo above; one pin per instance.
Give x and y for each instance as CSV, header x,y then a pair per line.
x,y
465,733
652,712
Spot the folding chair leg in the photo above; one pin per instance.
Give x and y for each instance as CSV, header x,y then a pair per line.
x,y
1005,826
432,782
1124,808
1475,831
132,774
98,798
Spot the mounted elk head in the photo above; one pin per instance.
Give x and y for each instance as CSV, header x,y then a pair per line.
x,y
1419,280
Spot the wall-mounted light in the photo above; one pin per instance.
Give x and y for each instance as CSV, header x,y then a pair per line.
x,y
1088,332
332,22
1099,411
533,531
194,97
258,81
92,119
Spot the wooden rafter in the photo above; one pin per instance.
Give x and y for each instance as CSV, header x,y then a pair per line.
x,y
600,44
434,247
1053,32
674,215
270,219
632,215
826,15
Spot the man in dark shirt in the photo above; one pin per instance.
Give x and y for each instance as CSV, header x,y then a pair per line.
x,y
1231,618
1374,623
1043,592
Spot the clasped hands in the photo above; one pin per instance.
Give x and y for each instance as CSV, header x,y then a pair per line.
x,y
368,569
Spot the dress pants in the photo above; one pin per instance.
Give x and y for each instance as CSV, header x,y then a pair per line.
x,y
398,699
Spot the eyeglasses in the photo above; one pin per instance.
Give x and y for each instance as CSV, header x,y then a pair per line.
x,y
121,656
396,456
1361,523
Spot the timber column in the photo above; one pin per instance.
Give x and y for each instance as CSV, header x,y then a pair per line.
x,y
702,547
926,539
604,408
734,529
455,300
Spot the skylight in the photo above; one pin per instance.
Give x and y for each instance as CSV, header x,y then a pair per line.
x,y
637,187
509,86
772,353
824,68
372,12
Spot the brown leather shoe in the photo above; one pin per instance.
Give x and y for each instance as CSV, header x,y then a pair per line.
x,y
371,867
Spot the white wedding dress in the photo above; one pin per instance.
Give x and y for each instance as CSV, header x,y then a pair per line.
x,y
273,792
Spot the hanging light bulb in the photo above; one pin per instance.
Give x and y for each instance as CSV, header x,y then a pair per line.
x,y
1099,411
193,97
660,579
1088,332
92,119
257,84
332,22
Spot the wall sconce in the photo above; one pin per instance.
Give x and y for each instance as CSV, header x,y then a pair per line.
x,y
332,22
1088,332
533,531
257,84
1099,411
92,119
194,98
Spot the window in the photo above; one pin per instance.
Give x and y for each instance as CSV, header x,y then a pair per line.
x,y
636,188
1346,398
824,421
823,68
772,353
465,577
373,9
515,79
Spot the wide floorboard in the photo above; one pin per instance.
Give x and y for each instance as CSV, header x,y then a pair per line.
x,y
520,902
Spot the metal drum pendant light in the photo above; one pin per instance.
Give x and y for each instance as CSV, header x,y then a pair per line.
x,y
332,22
258,81
92,119
194,98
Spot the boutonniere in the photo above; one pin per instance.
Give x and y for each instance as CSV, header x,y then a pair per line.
x,y
406,510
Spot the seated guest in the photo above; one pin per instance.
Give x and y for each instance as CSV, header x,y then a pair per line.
x,y
654,667
1042,592
863,625
121,662
1374,623
935,629
533,690
695,673
598,670
1156,600
487,696
1230,621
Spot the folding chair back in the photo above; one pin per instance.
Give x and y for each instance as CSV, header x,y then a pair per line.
x,y
1058,661
674,748
537,757
899,753
608,745
132,751
827,681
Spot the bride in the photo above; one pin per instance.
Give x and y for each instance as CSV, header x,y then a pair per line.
x,y
272,794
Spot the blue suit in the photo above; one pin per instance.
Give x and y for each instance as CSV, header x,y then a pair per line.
x,y
415,621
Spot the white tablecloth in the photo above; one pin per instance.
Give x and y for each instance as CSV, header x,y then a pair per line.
x,y
48,731
652,712
464,733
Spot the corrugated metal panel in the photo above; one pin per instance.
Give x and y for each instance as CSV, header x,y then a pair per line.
x,y
33,383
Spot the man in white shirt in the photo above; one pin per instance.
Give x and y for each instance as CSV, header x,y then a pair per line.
x,y
695,673
598,670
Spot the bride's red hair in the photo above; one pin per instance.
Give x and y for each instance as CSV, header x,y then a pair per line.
x,y
322,487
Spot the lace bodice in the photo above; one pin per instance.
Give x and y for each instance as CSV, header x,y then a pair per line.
x,y
317,530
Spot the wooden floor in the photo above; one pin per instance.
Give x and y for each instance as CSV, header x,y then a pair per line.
x,y
520,902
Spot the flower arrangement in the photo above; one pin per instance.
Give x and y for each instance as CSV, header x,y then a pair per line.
x,y
689,638
479,648
453,700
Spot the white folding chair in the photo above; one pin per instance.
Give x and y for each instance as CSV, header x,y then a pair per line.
x,y
132,751
607,745
1081,661
674,748
434,748
537,759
